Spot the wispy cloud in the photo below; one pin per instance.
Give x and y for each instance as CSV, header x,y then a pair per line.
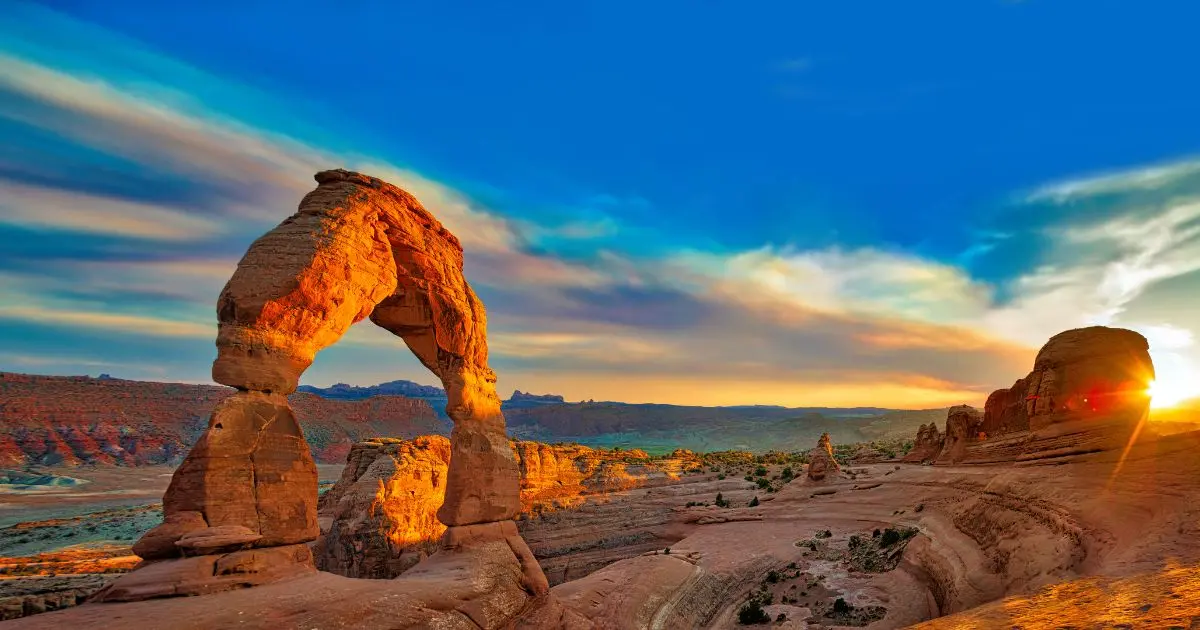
x,y
139,324
1120,181
55,209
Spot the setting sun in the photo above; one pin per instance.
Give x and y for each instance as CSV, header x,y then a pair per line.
x,y
1167,394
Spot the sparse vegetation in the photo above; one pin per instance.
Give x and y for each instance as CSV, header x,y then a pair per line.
x,y
752,613
721,502
754,502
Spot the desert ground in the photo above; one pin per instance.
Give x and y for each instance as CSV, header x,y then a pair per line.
x,y
1047,537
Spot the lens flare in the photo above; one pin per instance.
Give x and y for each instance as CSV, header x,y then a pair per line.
x,y
1165,395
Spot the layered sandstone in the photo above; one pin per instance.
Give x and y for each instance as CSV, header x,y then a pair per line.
x,y
244,503
1087,393
379,519
821,463
77,420
962,428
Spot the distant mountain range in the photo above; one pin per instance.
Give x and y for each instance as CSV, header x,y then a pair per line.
x,y
435,396
663,428
52,420
74,420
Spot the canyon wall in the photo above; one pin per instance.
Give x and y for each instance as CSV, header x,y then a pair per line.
x,y
74,420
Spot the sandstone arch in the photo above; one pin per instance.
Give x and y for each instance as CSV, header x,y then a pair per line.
x,y
356,248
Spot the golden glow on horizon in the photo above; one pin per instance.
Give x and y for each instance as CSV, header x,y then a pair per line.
x,y
1167,394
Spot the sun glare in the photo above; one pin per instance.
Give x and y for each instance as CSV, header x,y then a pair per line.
x,y
1167,394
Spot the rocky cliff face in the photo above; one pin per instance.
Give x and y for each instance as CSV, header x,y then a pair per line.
x,y
380,517
1086,393
73,420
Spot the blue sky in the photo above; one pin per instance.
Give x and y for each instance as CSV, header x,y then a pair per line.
x,y
797,203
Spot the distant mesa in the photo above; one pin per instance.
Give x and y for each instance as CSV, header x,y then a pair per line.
x,y
344,391
520,396
1085,394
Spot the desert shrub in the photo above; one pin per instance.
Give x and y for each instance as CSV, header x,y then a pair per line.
x,y
855,541
788,473
754,502
875,534
761,471
721,476
840,606
763,482
752,613
920,506
889,538
772,576
781,618
749,478
721,502
667,551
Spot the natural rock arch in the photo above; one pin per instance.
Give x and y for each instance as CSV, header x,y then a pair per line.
x,y
358,247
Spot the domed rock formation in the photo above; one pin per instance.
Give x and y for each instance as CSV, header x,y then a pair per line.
x,y
1096,372
1086,393
357,248
820,460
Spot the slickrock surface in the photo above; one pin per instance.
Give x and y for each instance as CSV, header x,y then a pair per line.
x,y
75,420
982,533
380,518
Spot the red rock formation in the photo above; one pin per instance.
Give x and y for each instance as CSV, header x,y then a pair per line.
x,y
820,460
71,420
1090,373
1004,411
1086,393
357,247
927,445
379,519
962,427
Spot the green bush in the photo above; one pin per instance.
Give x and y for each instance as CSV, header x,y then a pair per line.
x,y
890,537
761,471
840,606
754,502
752,613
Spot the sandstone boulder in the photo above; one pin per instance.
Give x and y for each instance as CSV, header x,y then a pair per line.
x,y
820,460
252,469
962,427
927,444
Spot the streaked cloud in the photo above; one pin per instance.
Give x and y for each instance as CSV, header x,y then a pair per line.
x,y
775,323
48,208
